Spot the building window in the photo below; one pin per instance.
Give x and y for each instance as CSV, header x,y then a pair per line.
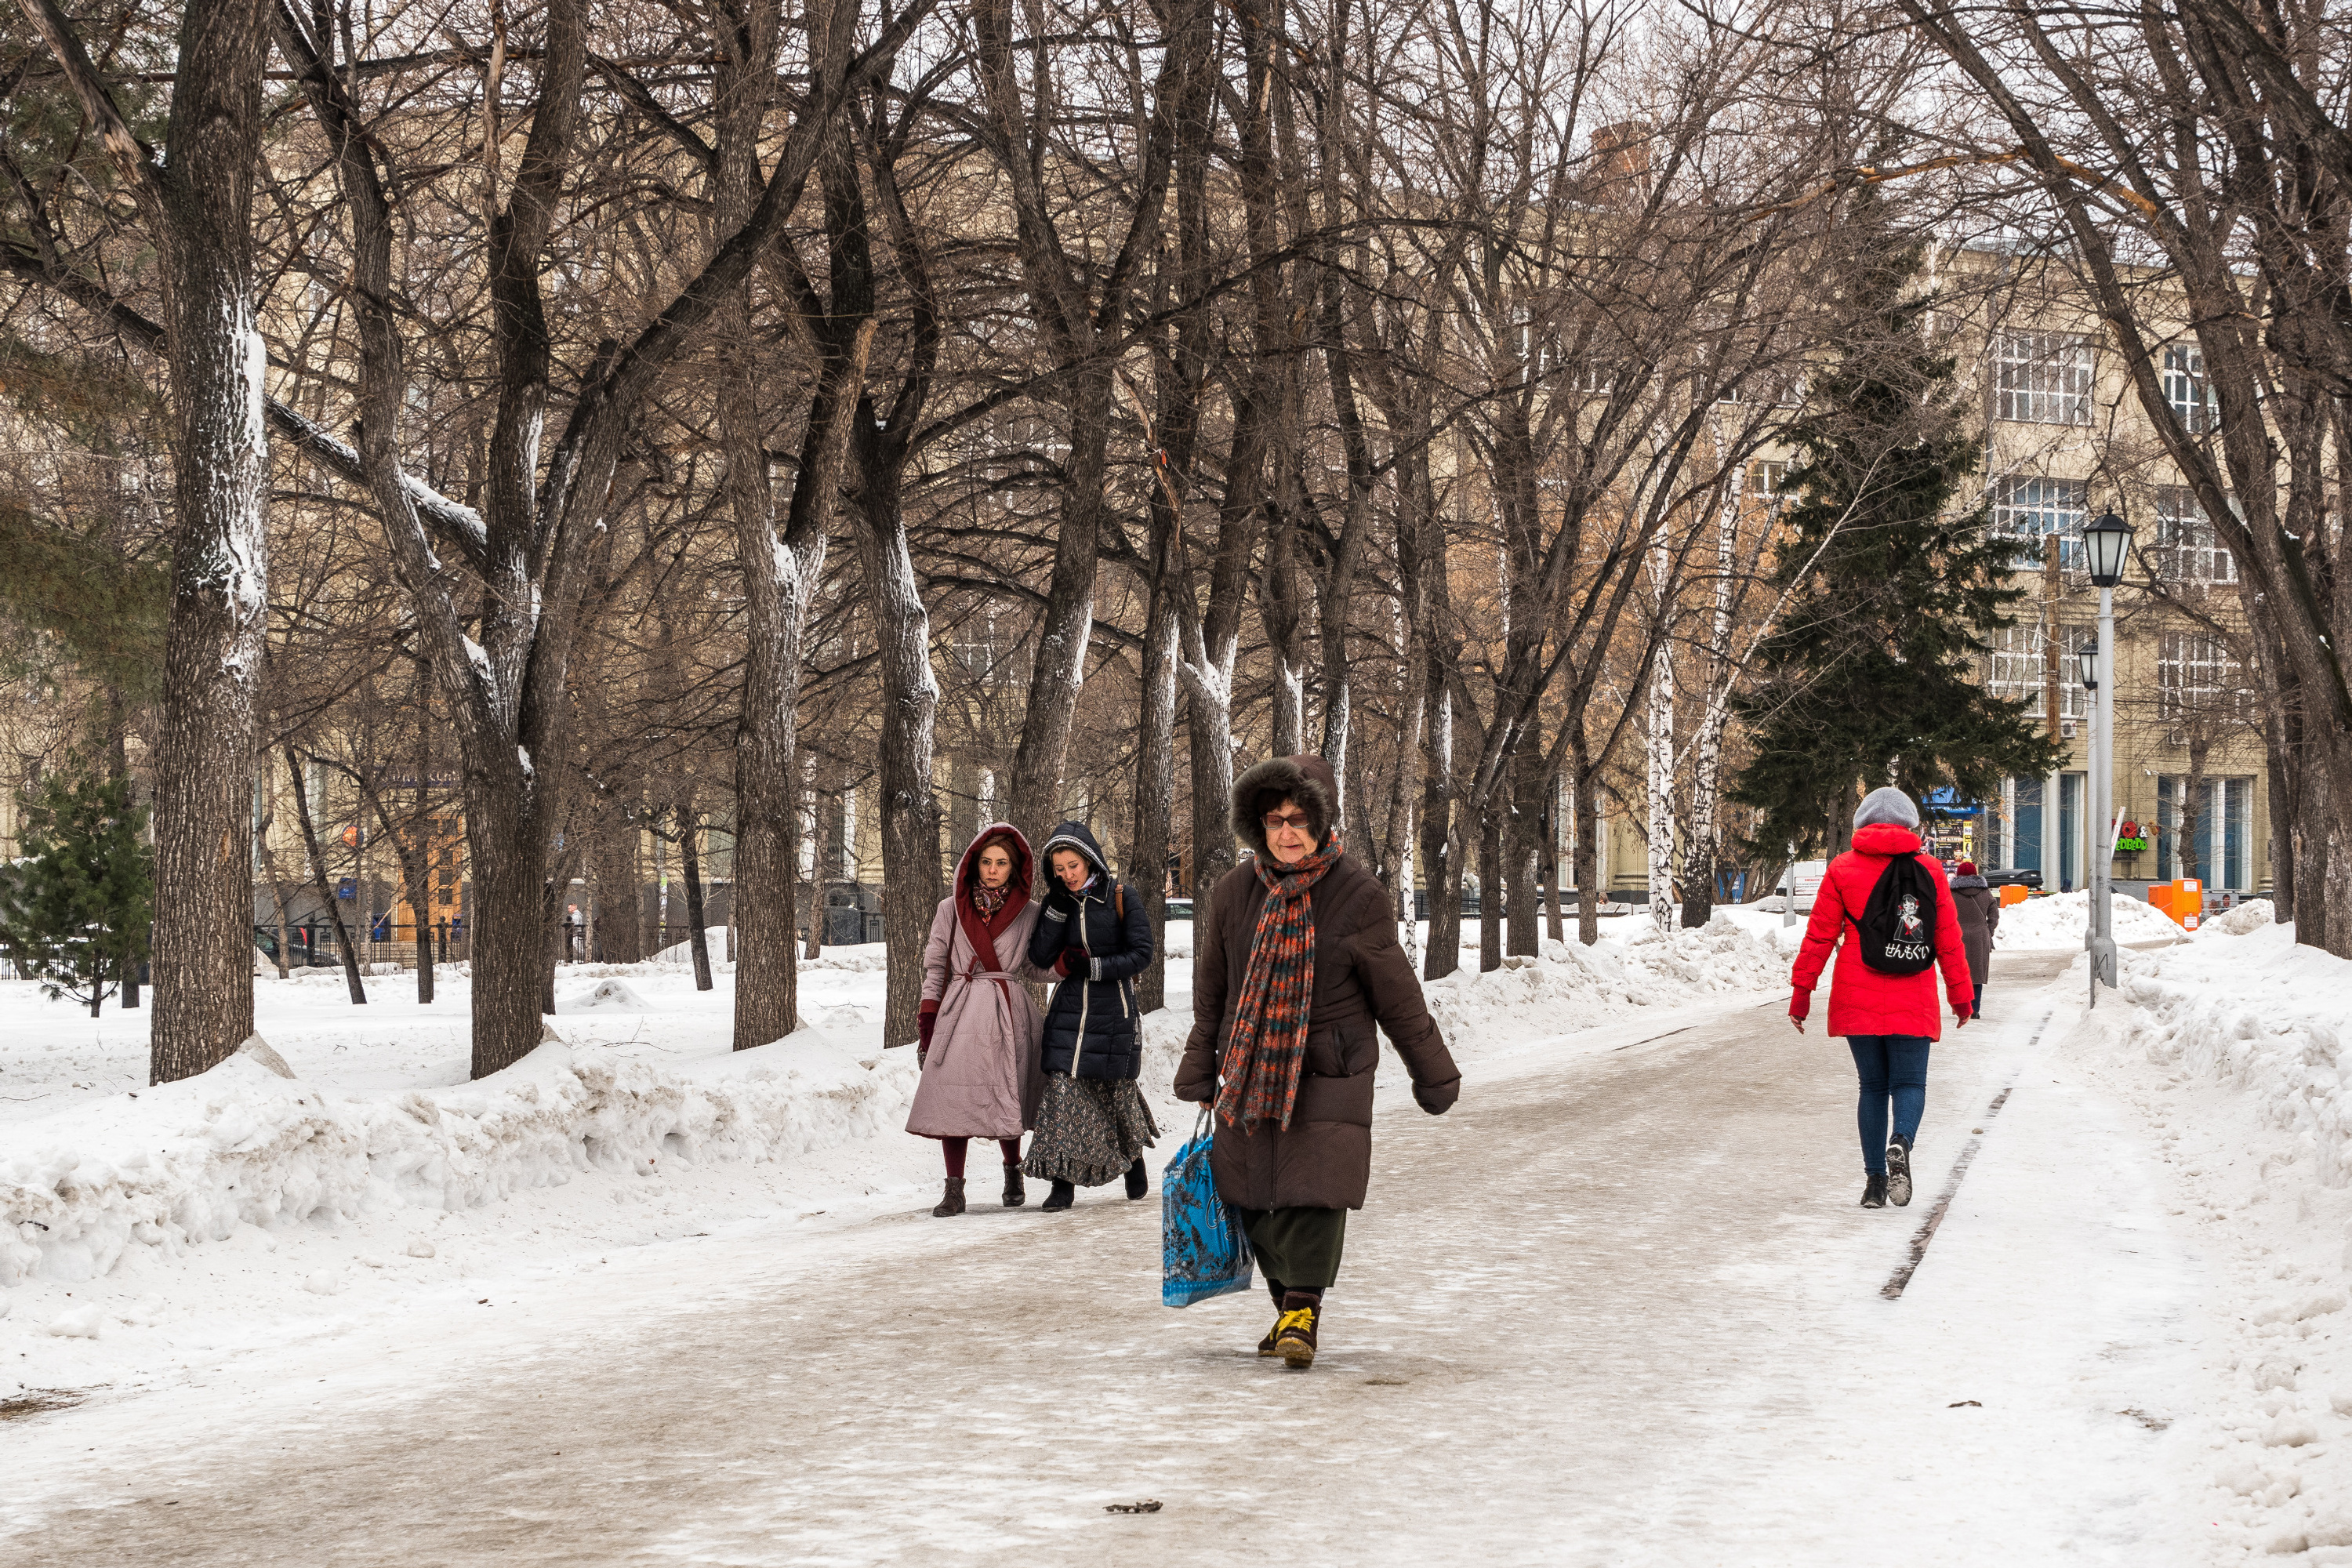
x,y
2187,549
2043,378
2034,509
2206,833
1768,482
2197,678
2016,669
2186,390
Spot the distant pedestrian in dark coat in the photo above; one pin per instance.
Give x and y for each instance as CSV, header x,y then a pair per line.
x,y
1979,912
1295,962
1097,935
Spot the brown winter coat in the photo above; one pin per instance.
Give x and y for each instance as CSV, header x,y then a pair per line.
x,y
1362,978
983,1077
1978,908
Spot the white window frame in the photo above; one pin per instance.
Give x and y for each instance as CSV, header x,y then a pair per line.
x,y
2188,548
2034,507
2043,378
2014,669
2197,677
2186,389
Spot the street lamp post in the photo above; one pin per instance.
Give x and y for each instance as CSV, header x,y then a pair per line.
x,y
2107,545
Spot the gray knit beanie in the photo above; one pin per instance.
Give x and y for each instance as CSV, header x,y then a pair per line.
x,y
1889,805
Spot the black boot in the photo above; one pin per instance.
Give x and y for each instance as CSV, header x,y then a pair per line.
x,y
1061,1197
1138,1183
1898,1171
1015,1194
951,1202
1874,1193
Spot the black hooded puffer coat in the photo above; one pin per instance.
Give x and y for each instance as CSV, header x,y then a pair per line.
x,y
1091,1028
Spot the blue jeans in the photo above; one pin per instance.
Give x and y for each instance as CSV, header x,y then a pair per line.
x,y
1896,1067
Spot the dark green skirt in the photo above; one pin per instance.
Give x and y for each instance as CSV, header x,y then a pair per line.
x,y
1299,1248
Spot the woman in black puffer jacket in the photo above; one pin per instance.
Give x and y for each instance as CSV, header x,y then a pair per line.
x,y
1093,1125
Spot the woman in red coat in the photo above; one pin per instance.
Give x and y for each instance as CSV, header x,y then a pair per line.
x,y
1888,1020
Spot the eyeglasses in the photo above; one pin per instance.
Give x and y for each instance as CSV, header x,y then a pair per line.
x,y
1275,819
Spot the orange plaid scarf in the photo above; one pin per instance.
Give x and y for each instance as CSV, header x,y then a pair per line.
x,y
1263,1055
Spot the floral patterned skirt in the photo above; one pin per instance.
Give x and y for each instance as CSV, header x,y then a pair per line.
x,y
1089,1130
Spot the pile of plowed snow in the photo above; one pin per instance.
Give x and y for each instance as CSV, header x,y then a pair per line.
x,y
2059,920
184,1164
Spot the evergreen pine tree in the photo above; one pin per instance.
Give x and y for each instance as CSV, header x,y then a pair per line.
x,y
1871,677
75,907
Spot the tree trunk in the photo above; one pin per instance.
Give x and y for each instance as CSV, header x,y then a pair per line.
x,y
1155,787
1522,844
1490,884
619,901
269,858
197,202
1584,851
1440,869
319,881
1548,862
690,853
2315,919
1659,769
910,696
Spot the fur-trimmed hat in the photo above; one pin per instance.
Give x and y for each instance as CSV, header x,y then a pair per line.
x,y
1305,781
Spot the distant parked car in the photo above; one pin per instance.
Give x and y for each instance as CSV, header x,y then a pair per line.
x,y
1180,908
1798,885
2013,879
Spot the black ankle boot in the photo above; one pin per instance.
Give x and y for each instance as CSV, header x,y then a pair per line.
x,y
951,1202
1061,1197
1874,1191
1015,1194
1138,1183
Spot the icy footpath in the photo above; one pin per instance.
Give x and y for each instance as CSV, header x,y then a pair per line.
x,y
178,1165
2231,1046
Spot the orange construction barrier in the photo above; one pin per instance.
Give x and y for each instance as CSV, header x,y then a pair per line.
x,y
2013,894
2183,900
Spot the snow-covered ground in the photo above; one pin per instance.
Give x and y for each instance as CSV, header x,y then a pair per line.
x,y
143,1228
2231,1050
2129,1341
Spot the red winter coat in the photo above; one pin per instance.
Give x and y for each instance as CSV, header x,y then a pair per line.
x,y
1862,1000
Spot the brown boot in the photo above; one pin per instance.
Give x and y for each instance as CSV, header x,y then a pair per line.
x,y
950,1201
1293,1336
1015,1193
1265,1346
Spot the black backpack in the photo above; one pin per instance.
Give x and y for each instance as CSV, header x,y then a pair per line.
x,y
1897,927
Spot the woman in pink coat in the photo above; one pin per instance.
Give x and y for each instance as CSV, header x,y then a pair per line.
x,y
979,1032
1888,1020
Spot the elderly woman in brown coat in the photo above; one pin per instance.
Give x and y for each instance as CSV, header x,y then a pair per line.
x,y
1978,908
979,1031
1295,963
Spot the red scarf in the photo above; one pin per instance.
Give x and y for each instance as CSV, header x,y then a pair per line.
x,y
983,930
1262,1057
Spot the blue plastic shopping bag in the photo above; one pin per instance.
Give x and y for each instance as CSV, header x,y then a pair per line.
x,y
1203,1250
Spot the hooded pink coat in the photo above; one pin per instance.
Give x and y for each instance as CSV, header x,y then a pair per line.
x,y
983,1077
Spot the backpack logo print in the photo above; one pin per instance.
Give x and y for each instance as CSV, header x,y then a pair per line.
x,y
1907,923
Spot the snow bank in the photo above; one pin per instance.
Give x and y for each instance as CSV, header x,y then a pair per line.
x,y
2059,920
609,995
185,1163
1572,986
714,939
2248,1103
2242,921
2263,1016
